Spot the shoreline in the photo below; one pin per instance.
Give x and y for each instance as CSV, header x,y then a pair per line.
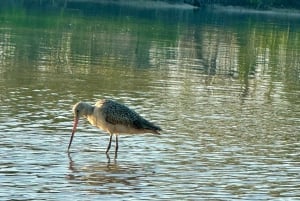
x,y
243,10
162,4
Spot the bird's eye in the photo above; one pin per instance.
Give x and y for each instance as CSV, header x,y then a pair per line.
x,y
77,111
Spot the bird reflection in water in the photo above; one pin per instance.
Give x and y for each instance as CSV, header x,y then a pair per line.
x,y
106,175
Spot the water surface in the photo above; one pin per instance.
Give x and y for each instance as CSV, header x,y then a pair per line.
x,y
223,86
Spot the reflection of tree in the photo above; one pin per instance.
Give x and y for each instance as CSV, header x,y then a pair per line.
x,y
95,45
219,52
292,67
247,60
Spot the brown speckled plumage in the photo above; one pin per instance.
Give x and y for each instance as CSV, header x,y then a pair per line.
x,y
116,113
113,117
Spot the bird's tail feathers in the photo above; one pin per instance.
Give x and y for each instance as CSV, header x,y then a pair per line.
x,y
148,126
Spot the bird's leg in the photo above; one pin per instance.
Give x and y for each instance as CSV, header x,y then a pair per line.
x,y
109,144
117,147
108,158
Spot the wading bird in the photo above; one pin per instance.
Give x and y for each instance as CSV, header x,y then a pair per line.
x,y
114,118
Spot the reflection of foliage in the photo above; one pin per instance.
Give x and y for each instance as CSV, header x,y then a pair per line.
x,y
238,46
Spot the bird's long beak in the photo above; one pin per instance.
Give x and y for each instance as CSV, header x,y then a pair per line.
x,y
73,131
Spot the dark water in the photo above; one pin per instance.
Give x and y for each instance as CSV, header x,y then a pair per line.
x,y
224,86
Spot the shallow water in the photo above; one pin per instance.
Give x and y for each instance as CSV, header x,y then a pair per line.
x,y
223,86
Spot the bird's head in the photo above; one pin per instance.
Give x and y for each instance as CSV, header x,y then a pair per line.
x,y
79,109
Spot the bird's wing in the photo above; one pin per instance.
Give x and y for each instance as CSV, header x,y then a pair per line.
x,y
116,113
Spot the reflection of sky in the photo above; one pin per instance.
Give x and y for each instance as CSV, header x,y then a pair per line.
x,y
7,47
